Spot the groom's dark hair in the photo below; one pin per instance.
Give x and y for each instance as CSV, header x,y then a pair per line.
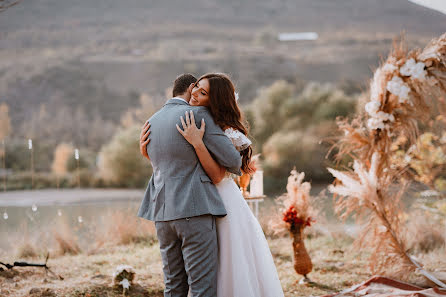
x,y
183,82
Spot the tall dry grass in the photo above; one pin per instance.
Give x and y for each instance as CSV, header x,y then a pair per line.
x,y
26,247
65,239
26,250
62,237
425,236
124,227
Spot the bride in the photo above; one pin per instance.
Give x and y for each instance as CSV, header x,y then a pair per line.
x,y
245,267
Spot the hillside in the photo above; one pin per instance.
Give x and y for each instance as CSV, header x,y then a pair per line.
x,y
93,54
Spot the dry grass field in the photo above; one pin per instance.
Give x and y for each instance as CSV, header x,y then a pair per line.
x,y
90,273
87,269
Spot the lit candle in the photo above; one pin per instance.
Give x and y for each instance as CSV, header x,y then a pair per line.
x,y
256,187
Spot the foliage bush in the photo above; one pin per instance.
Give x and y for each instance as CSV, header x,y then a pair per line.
x,y
289,149
291,125
267,111
120,161
23,181
45,180
18,156
87,160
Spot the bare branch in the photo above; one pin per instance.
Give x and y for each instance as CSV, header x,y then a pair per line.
x,y
5,4
26,264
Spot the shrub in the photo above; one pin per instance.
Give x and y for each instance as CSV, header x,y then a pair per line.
x,y
18,156
66,241
120,161
62,154
290,124
266,109
26,250
288,149
335,107
87,160
23,181
123,227
424,235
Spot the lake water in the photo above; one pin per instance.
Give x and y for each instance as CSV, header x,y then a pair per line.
x,y
31,212
36,213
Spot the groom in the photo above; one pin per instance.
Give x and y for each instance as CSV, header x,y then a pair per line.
x,y
181,198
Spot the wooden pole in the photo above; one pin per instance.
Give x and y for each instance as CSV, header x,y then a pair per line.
x,y
78,175
4,165
76,156
32,169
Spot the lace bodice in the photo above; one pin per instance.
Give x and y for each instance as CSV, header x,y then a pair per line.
x,y
239,139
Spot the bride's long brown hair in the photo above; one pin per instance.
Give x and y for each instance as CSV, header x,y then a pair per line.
x,y
225,111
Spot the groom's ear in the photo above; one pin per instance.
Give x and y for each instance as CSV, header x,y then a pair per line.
x,y
191,86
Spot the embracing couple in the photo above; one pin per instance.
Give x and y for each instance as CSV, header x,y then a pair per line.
x,y
211,244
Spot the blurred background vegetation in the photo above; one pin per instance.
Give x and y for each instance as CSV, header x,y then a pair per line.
x,y
290,125
86,75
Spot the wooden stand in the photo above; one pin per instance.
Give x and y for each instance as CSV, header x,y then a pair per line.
x,y
253,203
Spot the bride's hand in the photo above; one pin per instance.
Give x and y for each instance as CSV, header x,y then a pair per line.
x,y
144,140
191,133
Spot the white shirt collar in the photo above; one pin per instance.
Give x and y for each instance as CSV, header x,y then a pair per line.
x,y
179,98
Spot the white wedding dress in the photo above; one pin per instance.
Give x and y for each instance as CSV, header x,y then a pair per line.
x,y
245,267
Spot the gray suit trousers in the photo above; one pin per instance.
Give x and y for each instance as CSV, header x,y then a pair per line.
x,y
189,251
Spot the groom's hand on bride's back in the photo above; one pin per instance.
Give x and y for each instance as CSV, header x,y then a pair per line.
x,y
144,140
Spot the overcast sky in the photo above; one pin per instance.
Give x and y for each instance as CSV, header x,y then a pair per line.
x,y
439,5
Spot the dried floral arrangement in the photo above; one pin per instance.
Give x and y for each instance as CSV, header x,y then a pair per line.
x,y
407,90
296,215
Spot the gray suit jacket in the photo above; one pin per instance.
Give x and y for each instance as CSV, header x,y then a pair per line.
x,y
184,190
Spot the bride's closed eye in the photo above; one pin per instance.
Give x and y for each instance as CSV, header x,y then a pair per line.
x,y
202,92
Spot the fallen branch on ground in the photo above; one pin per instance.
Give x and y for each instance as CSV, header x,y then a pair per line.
x,y
26,264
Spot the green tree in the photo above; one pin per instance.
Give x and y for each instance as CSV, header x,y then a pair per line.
x,y
120,161
266,110
289,125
